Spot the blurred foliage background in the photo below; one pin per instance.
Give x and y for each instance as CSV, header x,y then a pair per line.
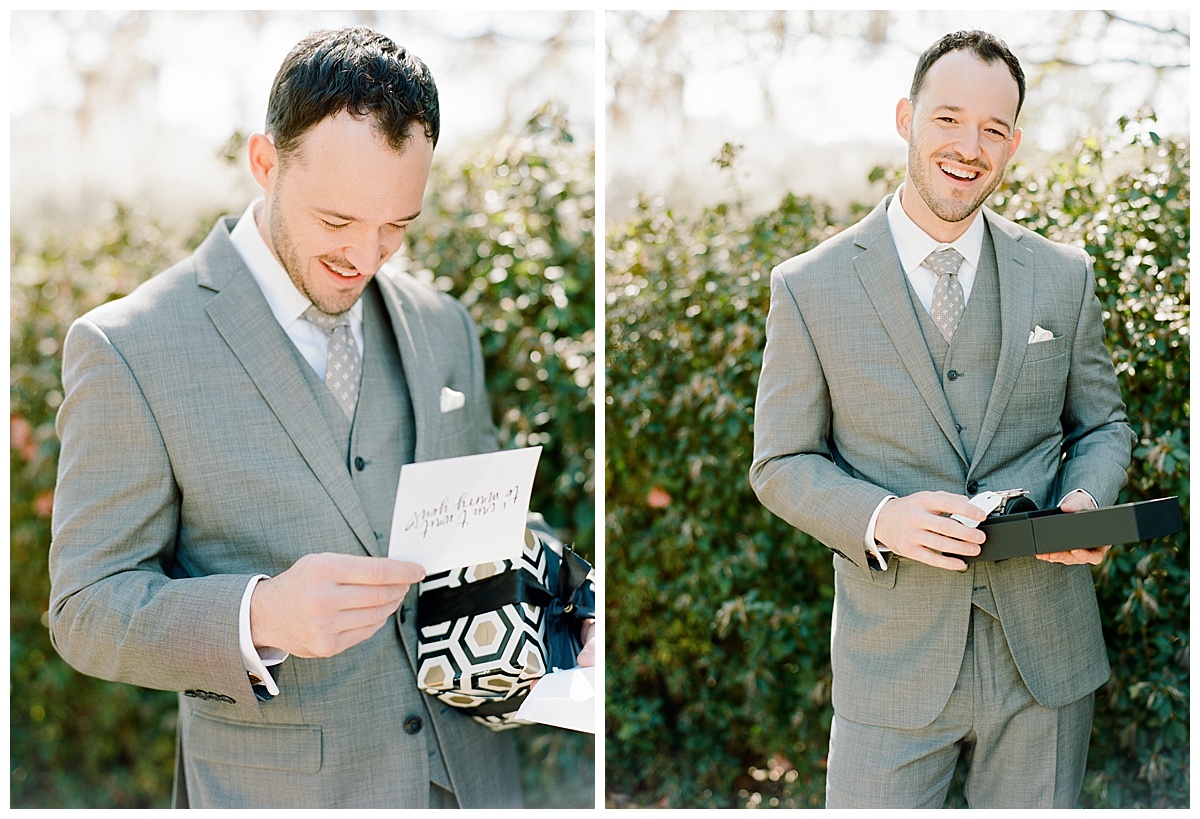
x,y
717,664
509,230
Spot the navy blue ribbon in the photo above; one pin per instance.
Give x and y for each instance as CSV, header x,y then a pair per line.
x,y
572,601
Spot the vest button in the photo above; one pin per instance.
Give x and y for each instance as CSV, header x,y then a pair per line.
x,y
972,487
413,725
360,464
952,375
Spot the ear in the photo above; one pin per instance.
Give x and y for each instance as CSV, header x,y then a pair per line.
x,y
1016,142
904,115
264,161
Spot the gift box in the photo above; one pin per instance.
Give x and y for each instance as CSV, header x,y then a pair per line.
x,y
487,632
1041,531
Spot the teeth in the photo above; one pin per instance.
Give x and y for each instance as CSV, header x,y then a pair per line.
x,y
960,174
348,274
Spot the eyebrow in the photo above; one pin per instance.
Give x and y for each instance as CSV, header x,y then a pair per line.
x,y
955,109
335,215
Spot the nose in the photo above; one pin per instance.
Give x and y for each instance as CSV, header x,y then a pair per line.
x,y
969,143
367,252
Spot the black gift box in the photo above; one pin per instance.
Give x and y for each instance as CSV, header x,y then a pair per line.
x,y
1052,530
488,632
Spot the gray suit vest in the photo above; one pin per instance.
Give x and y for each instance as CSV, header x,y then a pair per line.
x,y
966,368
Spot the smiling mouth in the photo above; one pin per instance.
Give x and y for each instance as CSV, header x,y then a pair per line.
x,y
962,174
345,273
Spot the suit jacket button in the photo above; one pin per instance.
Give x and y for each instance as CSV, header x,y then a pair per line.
x,y
413,725
952,375
360,464
972,487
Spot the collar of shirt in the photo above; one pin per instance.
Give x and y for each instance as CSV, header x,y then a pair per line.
x,y
286,302
913,246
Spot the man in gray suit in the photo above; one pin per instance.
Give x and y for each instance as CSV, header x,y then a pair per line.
x,y
897,381
230,458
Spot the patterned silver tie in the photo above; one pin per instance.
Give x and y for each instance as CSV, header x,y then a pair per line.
x,y
342,363
948,302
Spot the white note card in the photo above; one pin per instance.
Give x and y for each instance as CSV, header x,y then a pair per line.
x,y
566,699
461,511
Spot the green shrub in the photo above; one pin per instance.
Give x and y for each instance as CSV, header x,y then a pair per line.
x,y
75,741
717,664
526,206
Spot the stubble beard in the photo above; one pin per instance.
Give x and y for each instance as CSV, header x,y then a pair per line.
x,y
944,208
295,266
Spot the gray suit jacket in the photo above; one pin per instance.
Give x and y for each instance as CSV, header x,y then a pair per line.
x,y
195,455
850,410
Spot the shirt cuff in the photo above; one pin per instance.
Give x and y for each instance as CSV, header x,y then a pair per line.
x,y
874,548
254,659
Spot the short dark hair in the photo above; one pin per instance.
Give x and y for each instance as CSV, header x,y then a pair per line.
x,y
358,71
986,47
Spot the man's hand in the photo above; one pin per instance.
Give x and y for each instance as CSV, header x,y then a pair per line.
x,y
918,527
587,654
1077,502
327,602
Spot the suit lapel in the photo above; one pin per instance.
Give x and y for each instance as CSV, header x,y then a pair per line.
x,y
240,313
416,356
1015,263
879,270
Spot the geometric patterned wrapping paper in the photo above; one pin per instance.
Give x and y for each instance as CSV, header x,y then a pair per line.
x,y
486,661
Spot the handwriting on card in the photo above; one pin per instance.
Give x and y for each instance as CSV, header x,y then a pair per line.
x,y
467,510
463,511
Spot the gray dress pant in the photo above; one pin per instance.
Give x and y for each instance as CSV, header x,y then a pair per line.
x,y
1021,754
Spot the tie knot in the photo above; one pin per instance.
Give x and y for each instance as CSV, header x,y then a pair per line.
x,y
326,321
944,261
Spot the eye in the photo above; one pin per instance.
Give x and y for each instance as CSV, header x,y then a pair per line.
x,y
333,225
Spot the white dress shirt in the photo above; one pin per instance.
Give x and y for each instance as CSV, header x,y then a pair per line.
x,y
914,245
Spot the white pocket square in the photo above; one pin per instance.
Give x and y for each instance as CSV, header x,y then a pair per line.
x,y
451,399
1039,334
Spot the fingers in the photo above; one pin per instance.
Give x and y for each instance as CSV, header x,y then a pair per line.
x,y
1077,502
361,570
937,559
945,503
365,601
587,655
947,534
1077,557
326,603
920,528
